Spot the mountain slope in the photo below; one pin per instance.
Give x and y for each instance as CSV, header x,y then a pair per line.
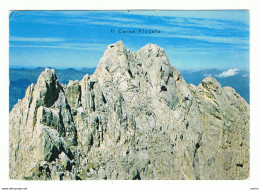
x,y
240,81
20,79
134,118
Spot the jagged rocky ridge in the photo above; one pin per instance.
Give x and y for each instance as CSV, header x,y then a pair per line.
x,y
134,118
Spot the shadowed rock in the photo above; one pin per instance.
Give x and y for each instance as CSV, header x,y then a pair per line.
x,y
134,118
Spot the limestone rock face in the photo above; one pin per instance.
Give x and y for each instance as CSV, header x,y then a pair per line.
x,y
134,118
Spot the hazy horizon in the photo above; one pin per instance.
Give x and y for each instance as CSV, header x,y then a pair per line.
x,y
80,68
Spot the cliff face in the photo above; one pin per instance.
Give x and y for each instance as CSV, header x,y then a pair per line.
x,y
134,118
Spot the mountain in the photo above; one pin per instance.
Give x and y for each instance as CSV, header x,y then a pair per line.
x,y
239,81
88,70
21,78
134,118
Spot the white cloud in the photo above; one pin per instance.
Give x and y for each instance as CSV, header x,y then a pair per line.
x,y
228,73
224,15
213,39
74,46
26,39
207,75
216,39
240,16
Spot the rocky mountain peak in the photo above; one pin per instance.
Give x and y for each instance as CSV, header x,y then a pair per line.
x,y
210,84
47,75
152,50
134,118
47,87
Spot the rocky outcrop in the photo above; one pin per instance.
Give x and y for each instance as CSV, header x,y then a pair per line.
x,y
134,118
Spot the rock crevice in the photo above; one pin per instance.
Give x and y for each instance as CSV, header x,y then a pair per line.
x,y
134,118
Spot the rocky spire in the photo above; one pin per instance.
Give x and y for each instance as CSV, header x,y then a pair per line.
x,y
134,118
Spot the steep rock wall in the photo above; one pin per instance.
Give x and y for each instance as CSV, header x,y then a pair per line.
x,y
134,118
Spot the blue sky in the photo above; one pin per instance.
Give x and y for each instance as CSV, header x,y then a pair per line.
x,y
191,39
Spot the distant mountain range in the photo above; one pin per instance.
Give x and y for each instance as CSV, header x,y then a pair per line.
x,y
21,78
